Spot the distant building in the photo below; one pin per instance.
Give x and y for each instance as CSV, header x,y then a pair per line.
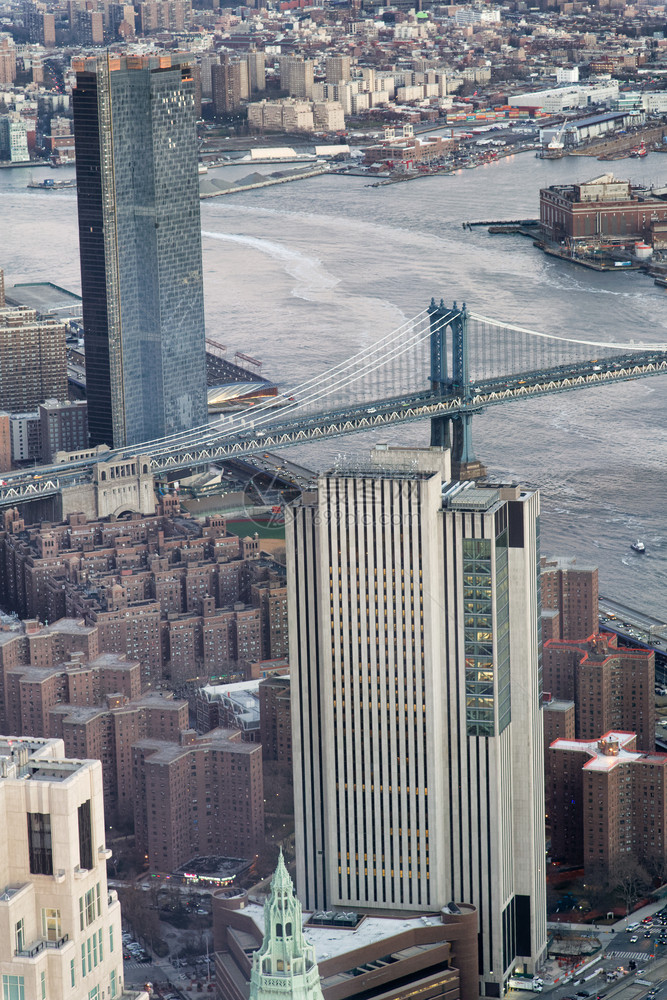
x,y
611,687
602,209
13,139
297,76
609,805
204,797
64,427
569,594
143,305
7,60
226,85
5,442
338,68
33,363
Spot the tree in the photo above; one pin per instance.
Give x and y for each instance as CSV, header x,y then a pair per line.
x,y
631,880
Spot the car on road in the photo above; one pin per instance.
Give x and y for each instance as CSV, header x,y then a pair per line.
x,y
634,939
647,934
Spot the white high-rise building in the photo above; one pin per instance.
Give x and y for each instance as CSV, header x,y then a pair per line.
x,y
60,927
417,730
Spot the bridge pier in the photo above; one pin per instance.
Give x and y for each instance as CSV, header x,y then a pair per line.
x,y
118,487
453,432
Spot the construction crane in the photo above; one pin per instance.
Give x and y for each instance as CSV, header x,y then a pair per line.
x,y
557,145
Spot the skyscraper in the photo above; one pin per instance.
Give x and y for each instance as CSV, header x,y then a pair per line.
x,y
140,246
417,731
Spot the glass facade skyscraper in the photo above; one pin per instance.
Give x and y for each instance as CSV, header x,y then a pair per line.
x,y
140,247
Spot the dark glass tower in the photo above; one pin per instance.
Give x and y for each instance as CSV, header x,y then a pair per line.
x,y
140,246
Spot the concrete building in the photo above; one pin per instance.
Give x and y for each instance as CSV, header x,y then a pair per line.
x,y
297,76
275,720
338,68
26,437
205,797
611,687
569,594
428,809
33,364
60,927
609,805
277,950
143,304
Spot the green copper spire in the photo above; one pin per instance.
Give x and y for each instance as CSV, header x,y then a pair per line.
x,y
284,968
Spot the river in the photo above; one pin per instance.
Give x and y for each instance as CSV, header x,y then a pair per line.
x,y
302,275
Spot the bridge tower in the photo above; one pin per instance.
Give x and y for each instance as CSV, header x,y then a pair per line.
x,y
453,432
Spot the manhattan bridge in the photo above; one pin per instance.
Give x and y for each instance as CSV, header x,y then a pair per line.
x,y
445,364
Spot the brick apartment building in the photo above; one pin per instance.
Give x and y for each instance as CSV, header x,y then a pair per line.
x,y
609,805
609,687
569,599
186,600
202,798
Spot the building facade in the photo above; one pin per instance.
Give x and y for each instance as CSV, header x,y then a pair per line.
x,y
609,805
140,246
33,362
60,927
414,616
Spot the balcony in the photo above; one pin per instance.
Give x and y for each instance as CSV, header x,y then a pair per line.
x,y
39,946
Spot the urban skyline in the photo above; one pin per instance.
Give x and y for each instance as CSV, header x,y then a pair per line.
x,y
439,730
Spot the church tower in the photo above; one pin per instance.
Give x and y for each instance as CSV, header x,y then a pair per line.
x,y
284,968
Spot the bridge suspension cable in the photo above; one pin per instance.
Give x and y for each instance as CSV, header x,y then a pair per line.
x,y
631,346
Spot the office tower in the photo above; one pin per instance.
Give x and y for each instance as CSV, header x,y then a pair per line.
x,y
140,246
61,927
33,361
569,599
416,721
226,86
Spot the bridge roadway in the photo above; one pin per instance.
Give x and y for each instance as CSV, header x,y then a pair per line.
x,y
260,431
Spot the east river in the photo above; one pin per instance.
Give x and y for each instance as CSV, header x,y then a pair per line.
x,y
302,275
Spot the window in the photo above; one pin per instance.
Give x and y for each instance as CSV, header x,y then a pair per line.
x,y
19,936
101,946
94,993
85,836
113,985
87,908
51,926
72,973
42,981
39,843
13,988
111,937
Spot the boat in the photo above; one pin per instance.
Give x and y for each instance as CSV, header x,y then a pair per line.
x,y
638,546
50,185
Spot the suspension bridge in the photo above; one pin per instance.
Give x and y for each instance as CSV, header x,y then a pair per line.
x,y
445,364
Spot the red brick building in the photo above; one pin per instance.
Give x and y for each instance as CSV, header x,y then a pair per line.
x,y
609,804
602,209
